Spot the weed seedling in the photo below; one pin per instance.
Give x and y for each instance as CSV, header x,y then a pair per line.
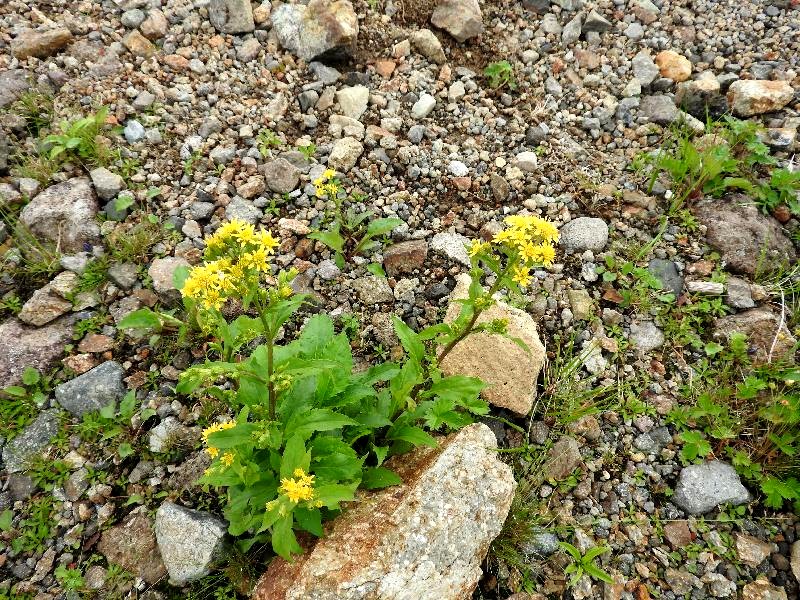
x,y
500,74
583,564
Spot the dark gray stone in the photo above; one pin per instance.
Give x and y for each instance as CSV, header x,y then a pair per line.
x,y
667,273
93,390
33,439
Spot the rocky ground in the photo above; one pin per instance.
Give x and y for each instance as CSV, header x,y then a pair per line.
x,y
222,109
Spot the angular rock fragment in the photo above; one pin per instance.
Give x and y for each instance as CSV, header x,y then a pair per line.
x,y
323,27
423,539
460,18
509,370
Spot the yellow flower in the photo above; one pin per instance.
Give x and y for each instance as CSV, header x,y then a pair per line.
x,y
332,189
257,259
267,242
215,427
212,452
227,459
477,247
320,191
329,174
298,488
285,291
522,276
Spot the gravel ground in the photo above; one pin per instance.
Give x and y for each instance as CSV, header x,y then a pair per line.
x,y
410,122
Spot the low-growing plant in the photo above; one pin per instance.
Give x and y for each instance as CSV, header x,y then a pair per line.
x,y
500,74
308,151
749,414
35,527
70,579
78,140
113,423
351,233
36,107
583,564
266,140
19,404
310,430
736,159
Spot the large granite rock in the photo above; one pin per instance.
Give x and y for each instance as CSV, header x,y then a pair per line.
x,y
509,371
93,390
755,96
38,347
64,215
702,488
189,541
423,539
323,27
748,240
13,83
132,545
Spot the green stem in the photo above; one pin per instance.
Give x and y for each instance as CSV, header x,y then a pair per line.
x,y
272,399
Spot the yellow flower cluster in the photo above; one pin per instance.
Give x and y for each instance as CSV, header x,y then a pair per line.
x,y
528,239
326,185
236,255
213,428
298,488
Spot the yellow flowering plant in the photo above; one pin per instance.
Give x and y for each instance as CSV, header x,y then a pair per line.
x,y
310,430
351,233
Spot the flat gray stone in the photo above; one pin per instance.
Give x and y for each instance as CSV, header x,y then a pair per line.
x,y
231,16
452,246
189,541
702,488
93,390
30,441
584,233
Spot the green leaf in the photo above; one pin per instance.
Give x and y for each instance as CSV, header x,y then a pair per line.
x,y
379,477
376,269
318,419
695,445
294,457
597,573
108,411
712,348
381,226
230,438
128,405
412,435
410,340
125,450
309,519
777,491
6,517
15,391
332,239
30,376
331,494
124,202
284,543
144,318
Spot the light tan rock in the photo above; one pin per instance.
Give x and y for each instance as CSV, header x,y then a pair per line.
x,y
758,96
763,590
673,65
138,44
43,306
795,560
751,550
40,44
423,539
509,370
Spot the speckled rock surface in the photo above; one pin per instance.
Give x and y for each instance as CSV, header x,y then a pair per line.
x,y
423,539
